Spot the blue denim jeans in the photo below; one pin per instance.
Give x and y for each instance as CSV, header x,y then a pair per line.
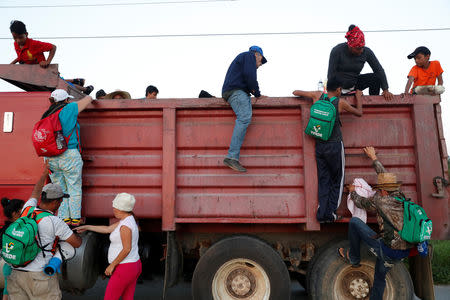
x,y
242,106
359,231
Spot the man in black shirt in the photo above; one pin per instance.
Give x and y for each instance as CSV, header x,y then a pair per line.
x,y
348,59
330,156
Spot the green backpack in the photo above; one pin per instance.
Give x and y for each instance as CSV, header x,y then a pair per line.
x,y
416,225
322,118
20,240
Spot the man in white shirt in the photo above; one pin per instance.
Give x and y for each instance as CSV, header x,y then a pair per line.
x,y
30,282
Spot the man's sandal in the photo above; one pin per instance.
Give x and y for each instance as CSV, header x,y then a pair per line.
x,y
346,258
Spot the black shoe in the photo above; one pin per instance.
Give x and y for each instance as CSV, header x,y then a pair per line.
x,y
234,164
88,89
78,81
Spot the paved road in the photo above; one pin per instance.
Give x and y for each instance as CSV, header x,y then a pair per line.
x,y
151,289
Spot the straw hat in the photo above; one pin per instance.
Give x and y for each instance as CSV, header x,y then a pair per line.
x,y
388,182
125,95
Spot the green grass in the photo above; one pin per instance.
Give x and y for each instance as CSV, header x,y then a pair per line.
x,y
441,262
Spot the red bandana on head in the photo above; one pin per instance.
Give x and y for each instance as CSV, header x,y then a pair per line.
x,y
355,38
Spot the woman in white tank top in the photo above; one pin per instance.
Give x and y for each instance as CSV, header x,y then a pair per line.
x,y
123,256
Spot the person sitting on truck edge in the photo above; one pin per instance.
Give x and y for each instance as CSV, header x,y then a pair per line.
x,y
240,82
12,209
348,59
388,247
123,254
100,94
330,157
30,282
31,52
423,75
151,92
118,95
66,168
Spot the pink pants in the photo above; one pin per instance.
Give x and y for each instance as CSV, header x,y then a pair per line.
x,y
123,281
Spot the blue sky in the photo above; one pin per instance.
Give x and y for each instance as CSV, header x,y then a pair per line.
x,y
182,66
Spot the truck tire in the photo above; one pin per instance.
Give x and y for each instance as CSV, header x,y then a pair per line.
x,y
241,268
310,276
337,280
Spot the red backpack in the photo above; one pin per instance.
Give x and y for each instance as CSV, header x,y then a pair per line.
x,y
48,139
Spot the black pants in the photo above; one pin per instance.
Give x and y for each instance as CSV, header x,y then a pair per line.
x,y
370,81
330,174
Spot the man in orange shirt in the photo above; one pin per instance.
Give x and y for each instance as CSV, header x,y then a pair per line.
x,y
423,75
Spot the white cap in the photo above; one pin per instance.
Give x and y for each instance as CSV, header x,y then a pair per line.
x,y
124,202
60,95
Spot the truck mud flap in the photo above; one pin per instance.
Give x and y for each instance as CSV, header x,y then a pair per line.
x,y
421,274
173,264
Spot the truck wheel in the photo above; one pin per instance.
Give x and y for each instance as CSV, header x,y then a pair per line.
x,y
338,280
241,268
310,276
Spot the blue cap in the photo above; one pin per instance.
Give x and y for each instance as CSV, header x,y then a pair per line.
x,y
259,50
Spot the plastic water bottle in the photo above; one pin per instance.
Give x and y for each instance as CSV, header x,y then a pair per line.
x,y
320,85
60,141
422,248
53,266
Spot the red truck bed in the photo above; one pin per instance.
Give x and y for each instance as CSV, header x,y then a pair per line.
x,y
169,152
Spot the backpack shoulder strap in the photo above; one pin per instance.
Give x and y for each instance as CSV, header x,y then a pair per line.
x,y
401,200
28,210
38,215
53,108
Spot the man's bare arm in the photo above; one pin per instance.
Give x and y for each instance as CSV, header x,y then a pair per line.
x,y
314,95
344,105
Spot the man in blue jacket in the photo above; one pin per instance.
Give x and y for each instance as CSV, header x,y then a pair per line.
x,y
240,82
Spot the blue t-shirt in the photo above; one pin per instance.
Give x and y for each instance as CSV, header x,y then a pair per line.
x,y
68,118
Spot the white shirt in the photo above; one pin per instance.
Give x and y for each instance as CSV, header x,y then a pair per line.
x,y
49,228
116,242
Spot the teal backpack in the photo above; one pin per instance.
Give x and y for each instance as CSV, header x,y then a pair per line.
x,y
20,240
417,227
322,118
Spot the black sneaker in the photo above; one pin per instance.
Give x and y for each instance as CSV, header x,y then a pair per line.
x,y
234,164
88,89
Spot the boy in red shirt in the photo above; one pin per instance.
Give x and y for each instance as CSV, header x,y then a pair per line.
x,y
424,74
30,51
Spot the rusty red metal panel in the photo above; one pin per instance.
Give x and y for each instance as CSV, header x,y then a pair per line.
x,y
32,75
272,187
19,162
429,165
34,78
173,164
122,152
168,169
310,167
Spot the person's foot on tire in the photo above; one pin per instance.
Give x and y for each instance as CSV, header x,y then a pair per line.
x,y
344,255
234,164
